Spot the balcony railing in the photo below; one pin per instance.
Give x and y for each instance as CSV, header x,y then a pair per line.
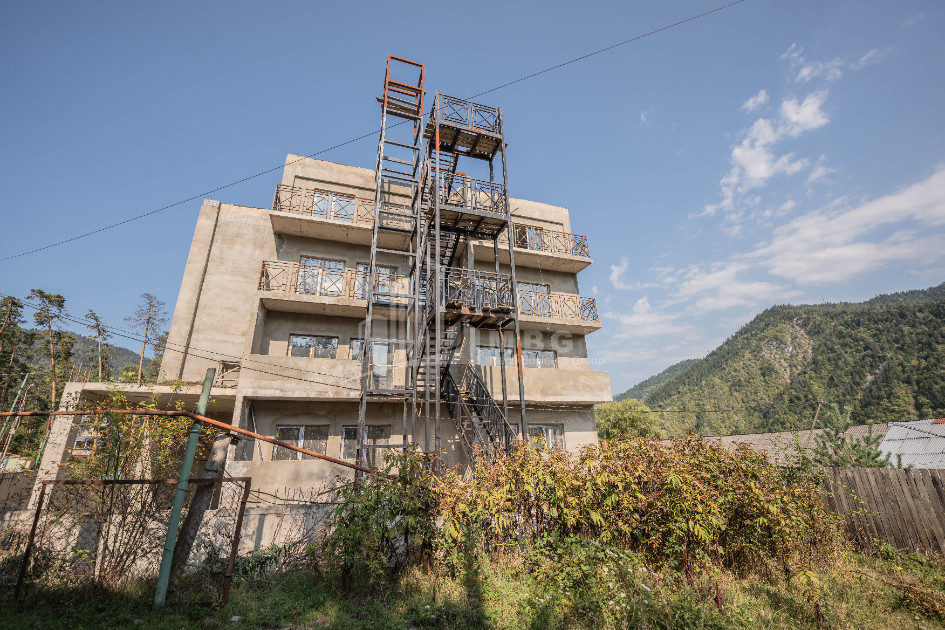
x,y
462,113
295,278
557,305
481,290
465,192
323,204
539,239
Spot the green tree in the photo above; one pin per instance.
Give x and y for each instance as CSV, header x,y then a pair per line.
x,y
152,373
101,336
150,315
49,313
836,448
625,418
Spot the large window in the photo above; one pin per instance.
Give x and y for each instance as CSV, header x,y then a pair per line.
x,y
310,437
382,362
545,436
329,205
377,435
313,346
385,281
534,299
488,355
318,276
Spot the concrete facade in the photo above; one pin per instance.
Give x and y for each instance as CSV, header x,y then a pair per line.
x,y
243,294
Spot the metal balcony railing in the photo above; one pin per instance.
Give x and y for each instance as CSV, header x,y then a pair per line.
x,y
539,239
453,189
323,204
467,114
478,290
294,278
557,305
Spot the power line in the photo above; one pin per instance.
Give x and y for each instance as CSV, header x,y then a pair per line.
x,y
208,193
118,332
801,404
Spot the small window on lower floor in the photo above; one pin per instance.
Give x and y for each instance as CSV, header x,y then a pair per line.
x,y
539,359
544,436
313,346
310,437
377,435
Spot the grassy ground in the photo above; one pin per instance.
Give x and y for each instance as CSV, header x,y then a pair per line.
x,y
883,590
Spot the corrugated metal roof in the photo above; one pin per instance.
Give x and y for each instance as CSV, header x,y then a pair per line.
x,y
782,446
920,443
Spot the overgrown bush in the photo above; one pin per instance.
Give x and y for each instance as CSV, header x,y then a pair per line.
x,y
687,507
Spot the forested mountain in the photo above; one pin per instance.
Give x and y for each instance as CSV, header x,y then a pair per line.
x,y
884,358
85,354
642,389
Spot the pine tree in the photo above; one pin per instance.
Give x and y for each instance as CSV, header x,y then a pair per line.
x,y
836,449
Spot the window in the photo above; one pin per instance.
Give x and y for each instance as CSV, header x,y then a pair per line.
x,y
539,358
488,355
534,299
333,206
377,434
310,437
385,281
543,436
382,362
318,276
313,346
85,438
529,237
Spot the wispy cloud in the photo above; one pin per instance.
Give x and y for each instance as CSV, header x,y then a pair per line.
x,y
642,322
835,244
830,69
755,101
617,275
915,18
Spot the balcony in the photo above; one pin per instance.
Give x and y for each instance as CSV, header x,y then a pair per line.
x,y
336,216
467,128
562,312
475,205
298,288
541,248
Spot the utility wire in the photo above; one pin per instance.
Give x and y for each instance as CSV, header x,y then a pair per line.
x,y
208,193
801,404
193,352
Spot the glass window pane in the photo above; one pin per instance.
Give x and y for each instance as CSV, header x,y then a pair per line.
x,y
325,347
290,435
301,345
547,358
315,438
377,434
357,349
349,442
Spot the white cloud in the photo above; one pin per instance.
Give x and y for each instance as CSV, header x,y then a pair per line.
x,y
755,101
915,18
643,117
798,117
874,56
820,170
835,244
642,322
806,70
721,286
616,275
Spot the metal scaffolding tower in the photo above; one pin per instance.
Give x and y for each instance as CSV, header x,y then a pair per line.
x,y
448,214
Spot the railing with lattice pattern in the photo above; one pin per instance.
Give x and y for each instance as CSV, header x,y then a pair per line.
x,y
557,305
539,239
294,278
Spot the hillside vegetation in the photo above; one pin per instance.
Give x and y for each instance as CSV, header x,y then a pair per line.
x,y
884,358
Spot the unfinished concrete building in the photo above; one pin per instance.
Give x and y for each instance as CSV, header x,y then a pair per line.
x,y
412,304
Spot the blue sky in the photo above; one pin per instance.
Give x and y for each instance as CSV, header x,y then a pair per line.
x,y
769,153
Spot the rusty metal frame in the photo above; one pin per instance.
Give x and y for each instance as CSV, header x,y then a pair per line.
x,y
237,531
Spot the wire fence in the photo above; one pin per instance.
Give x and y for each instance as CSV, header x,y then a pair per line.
x,y
109,532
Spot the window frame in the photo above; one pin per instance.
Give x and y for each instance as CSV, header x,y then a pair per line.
x,y
313,347
544,430
373,454
300,442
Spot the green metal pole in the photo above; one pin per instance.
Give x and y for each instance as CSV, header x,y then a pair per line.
x,y
174,522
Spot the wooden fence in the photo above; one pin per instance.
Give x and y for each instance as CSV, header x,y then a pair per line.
x,y
905,508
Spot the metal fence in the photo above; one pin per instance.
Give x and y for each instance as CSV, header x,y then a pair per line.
x,y
905,508
107,532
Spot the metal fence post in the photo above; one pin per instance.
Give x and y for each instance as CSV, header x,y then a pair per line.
x,y
160,593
